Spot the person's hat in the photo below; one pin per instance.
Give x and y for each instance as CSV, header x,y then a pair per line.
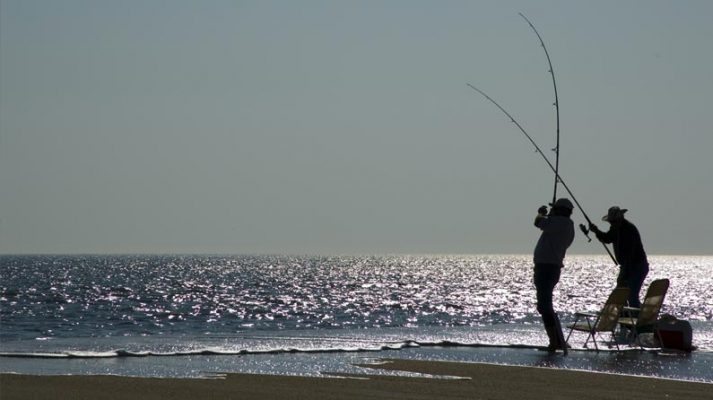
x,y
614,213
563,203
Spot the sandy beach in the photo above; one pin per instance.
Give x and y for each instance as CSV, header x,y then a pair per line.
x,y
482,381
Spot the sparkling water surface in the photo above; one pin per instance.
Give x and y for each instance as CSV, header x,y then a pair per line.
x,y
90,309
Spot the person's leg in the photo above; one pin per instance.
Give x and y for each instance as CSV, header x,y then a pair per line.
x,y
626,279
621,279
546,277
635,280
544,285
561,342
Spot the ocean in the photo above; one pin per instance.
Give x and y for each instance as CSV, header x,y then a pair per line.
x,y
203,316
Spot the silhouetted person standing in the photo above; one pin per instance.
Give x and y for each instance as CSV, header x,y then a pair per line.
x,y
557,235
628,250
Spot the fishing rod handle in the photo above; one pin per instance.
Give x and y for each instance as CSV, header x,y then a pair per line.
x,y
585,231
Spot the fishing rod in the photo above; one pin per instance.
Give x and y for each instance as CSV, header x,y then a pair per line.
x,y
556,104
552,167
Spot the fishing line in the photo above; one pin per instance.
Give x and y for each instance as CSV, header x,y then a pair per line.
x,y
552,167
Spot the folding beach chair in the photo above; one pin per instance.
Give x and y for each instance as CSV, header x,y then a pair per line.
x,y
602,321
648,314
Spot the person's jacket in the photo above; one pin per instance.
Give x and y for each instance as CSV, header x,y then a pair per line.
x,y
628,248
557,235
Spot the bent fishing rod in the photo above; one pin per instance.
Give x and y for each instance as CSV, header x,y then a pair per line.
x,y
552,167
556,104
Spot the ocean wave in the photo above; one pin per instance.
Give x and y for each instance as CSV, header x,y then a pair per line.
x,y
123,353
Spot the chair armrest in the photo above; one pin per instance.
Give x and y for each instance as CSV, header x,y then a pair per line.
x,y
632,312
586,314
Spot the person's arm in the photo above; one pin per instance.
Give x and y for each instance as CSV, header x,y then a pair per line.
x,y
604,237
541,217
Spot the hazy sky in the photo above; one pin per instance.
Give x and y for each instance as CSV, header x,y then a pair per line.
x,y
338,127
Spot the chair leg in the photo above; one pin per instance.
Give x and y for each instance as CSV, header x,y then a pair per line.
x,y
613,338
630,336
637,340
594,339
571,329
657,333
591,335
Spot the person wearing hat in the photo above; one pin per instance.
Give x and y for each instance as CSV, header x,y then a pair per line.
x,y
556,237
628,250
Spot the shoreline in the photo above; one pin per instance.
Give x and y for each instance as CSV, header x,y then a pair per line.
x,y
477,380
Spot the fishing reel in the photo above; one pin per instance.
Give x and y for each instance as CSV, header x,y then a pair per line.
x,y
585,231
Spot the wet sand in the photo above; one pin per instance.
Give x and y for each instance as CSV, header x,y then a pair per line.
x,y
483,381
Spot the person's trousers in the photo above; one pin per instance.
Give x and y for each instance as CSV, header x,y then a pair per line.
x,y
632,276
546,277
